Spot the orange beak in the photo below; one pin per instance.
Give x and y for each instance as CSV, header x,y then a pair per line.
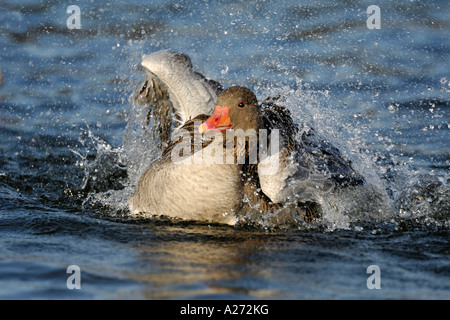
x,y
218,121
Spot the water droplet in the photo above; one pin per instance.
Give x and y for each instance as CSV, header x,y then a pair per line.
x,y
225,70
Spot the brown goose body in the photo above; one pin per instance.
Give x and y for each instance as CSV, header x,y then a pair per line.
x,y
187,192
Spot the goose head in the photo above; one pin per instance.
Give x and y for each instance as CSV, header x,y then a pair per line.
x,y
236,108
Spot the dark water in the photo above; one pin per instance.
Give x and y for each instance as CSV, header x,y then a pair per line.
x,y
69,151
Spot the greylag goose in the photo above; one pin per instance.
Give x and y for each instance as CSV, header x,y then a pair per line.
x,y
224,156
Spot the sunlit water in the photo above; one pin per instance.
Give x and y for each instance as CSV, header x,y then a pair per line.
x,y
72,148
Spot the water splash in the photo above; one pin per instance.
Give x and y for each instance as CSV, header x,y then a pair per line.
x,y
140,147
105,181
340,208
112,173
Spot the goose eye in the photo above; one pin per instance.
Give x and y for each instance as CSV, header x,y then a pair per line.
x,y
241,104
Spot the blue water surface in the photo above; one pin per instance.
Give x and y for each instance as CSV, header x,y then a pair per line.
x,y
65,105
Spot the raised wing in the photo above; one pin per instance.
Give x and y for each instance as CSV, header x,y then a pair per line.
x,y
323,158
306,162
170,75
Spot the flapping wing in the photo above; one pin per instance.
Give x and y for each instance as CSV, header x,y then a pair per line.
x,y
305,163
174,92
190,93
323,158
275,170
